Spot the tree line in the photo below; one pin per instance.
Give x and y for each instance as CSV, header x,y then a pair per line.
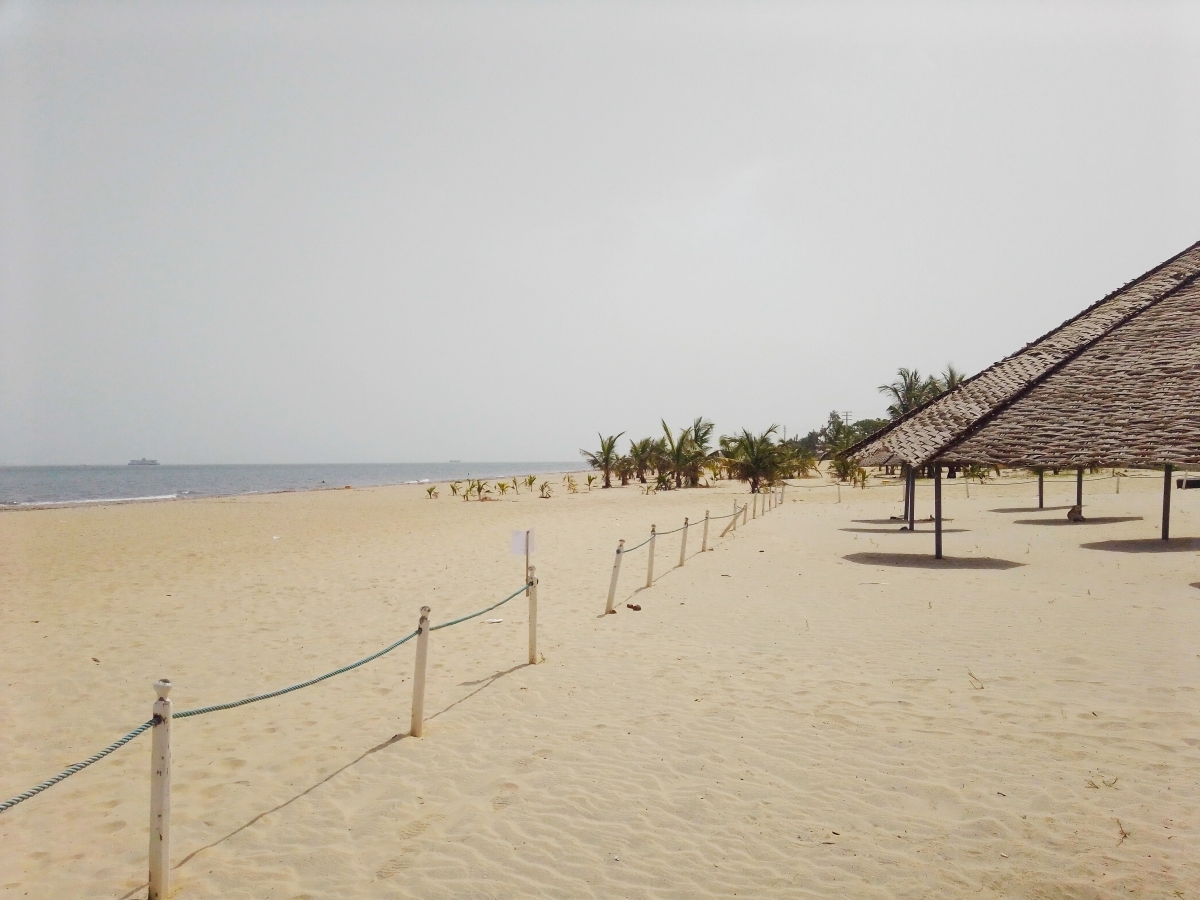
x,y
688,458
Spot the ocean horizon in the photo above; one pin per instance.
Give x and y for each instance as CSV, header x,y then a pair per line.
x,y
41,486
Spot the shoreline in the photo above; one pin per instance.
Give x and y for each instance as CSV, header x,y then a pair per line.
x,y
35,505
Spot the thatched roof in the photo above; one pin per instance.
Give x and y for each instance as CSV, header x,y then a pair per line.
x,y
1129,398
932,428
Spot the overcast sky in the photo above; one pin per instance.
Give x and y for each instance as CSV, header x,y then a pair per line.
x,y
343,232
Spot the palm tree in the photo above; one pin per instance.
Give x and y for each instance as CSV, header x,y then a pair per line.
x,y
948,380
908,391
606,459
642,453
625,469
798,460
701,432
680,458
754,458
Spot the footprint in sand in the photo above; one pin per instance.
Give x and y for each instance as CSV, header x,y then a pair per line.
x,y
506,797
538,756
417,828
397,864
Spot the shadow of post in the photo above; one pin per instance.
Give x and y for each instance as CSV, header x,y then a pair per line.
x,y
482,683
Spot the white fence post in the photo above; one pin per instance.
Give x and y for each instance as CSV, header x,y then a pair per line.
x,y
745,512
612,585
683,542
754,501
533,583
704,540
418,705
160,794
736,515
650,561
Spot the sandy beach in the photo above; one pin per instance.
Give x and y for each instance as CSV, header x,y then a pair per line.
x,y
814,708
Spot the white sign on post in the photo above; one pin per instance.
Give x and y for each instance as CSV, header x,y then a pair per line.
x,y
519,547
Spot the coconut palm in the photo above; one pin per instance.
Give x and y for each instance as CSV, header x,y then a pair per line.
x,y
606,458
625,469
755,458
701,433
948,380
643,454
908,391
799,461
680,458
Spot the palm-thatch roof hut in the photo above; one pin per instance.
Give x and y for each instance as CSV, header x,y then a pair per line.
x,y
1119,384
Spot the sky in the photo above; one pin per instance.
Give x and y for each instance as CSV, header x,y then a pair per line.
x,y
358,232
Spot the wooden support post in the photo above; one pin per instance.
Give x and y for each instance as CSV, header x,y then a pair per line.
x,y
650,560
1079,487
754,501
612,584
1166,522
907,495
418,704
937,512
527,532
704,539
736,515
160,794
533,583
1041,488
912,498
683,542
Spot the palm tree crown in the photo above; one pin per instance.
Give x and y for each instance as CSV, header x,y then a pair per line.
x,y
606,458
756,458
908,391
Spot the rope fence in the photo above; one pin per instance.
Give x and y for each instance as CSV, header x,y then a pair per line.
x,y
770,500
160,726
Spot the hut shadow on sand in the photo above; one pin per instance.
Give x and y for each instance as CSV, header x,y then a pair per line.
x,y
898,530
1146,545
924,561
1090,520
1028,509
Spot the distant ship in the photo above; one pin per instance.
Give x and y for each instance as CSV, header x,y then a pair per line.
x,y
143,462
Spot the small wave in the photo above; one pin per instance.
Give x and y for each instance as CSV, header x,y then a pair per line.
x,y
46,503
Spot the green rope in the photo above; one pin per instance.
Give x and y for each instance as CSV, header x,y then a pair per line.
x,y
116,745
295,687
78,767
642,544
519,590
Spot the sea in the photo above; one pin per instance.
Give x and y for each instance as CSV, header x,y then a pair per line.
x,y
34,486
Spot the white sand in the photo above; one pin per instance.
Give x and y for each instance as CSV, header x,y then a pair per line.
x,y
777,721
